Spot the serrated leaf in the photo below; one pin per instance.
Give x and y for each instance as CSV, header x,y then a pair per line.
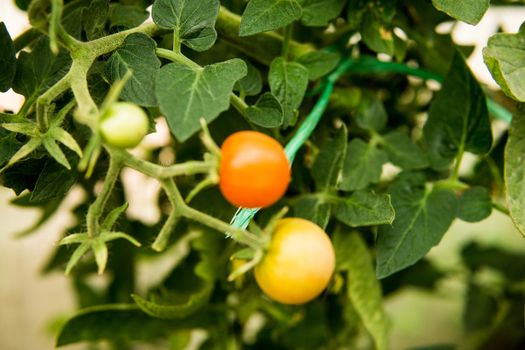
x,y
251,84
172,306
364,290
9,145
422,218
94,18
362,166
475,204
115,322
403,152
138,55
469,11
193,22
515,170
504,55
327,167
186,95
288,82
54,182
112,217
365,208
264,15
318,13
313,208
7,59
127,16
458,118
39,69
267,111
319,63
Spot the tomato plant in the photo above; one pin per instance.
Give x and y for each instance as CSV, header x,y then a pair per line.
x,y
254,171
299,263
124,125
355,137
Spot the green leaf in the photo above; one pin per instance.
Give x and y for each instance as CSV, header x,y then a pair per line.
x,y
54,182
251,84
94,18
100,250
264,15
116,322
403,152
327,167
9,145
481,308
319,63
458,118
363,165
186,95
364,290
365,208
138,55
7,59
193,22
127,16
475,204
314,209
470,11
422,218
77,254
56,152
112,217
288,82
196,292
515,170
39,69
504,55
376,35
318,13
371,114
267,111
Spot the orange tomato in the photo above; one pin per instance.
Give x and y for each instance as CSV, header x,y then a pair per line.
x,y
299,263
254,171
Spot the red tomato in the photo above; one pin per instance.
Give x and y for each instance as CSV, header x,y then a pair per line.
x,y
254,171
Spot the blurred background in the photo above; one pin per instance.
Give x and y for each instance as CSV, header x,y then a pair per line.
x,y
32,305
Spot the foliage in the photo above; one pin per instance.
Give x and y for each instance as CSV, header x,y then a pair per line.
x,y
298,71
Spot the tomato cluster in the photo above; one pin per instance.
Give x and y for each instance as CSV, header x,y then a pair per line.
x,y
254,173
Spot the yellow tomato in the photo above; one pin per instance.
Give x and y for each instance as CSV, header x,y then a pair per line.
x,y
299,263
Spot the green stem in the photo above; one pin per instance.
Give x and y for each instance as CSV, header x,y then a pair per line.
x,y
288,30
177,57
500,208
87,112
176,42
164,235
96,209
239,104
239,235
43,102
161,172
26,38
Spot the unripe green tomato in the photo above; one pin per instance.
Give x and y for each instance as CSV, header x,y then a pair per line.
x,y
124,125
